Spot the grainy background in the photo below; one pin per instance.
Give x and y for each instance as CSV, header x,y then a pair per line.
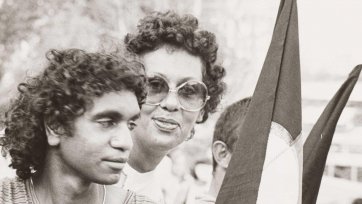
x,y
330,46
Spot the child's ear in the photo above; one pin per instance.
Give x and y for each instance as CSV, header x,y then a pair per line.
x,y
53,136
221,153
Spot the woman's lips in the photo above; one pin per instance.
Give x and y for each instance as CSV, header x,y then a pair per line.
x,y
165,124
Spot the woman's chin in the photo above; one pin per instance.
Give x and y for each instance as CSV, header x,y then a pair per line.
x,y
167,141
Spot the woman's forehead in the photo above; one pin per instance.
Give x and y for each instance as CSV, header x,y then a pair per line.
x,y
174,66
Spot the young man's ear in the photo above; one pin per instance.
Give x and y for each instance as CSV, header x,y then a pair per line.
x,y
200,116
221,153
53,136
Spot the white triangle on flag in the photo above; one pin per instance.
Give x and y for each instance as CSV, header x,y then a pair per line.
x,y
281,177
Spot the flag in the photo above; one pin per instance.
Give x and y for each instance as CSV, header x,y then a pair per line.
x,y
265,166
317,145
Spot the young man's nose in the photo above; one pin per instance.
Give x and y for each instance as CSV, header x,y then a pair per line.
x,y
122,139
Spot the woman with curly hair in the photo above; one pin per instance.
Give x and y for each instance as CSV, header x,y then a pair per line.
x,y
184,86
68,131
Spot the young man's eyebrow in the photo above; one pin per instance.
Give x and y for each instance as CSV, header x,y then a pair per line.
x,y
107,114
135,117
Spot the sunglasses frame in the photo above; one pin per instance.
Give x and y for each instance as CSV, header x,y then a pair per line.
x,y
175,90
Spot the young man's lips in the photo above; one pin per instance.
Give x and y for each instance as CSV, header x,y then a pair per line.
x,y
119,160
116,163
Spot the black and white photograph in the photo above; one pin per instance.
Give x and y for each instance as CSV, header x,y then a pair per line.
x,y
180,102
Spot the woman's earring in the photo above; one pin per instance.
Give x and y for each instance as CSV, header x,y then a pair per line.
x,y
192,133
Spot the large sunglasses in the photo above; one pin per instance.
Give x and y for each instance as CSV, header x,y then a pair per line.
x,y
191,95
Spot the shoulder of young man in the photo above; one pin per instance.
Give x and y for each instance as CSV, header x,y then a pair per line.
x,y
116,195
13,190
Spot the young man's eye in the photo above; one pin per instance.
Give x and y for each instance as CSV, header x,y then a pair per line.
x,y
131,125
106,123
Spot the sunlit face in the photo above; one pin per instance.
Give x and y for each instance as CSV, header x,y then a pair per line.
x,y
101,140
164,126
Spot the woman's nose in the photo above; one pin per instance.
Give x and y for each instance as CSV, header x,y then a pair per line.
x,y
170,103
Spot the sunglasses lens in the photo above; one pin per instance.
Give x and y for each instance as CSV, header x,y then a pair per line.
x,y
192,95
157,90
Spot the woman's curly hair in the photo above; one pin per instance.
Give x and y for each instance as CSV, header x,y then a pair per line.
x,y
54,99
159,29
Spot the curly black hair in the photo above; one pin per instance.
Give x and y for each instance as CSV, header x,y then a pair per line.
x,y
55,98
159,29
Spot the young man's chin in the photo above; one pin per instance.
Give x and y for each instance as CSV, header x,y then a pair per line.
x,y
109,179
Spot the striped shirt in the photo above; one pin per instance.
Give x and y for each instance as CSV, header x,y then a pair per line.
x,y
16,191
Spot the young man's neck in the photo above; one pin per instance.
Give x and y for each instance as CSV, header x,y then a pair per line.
x,y
145,160
216,182
57,185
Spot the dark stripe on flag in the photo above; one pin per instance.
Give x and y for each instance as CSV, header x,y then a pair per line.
x,y
316,147
276,98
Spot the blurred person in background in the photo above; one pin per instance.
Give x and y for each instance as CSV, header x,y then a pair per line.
x,y
357,201
226,134
68,131
182,180
184,86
